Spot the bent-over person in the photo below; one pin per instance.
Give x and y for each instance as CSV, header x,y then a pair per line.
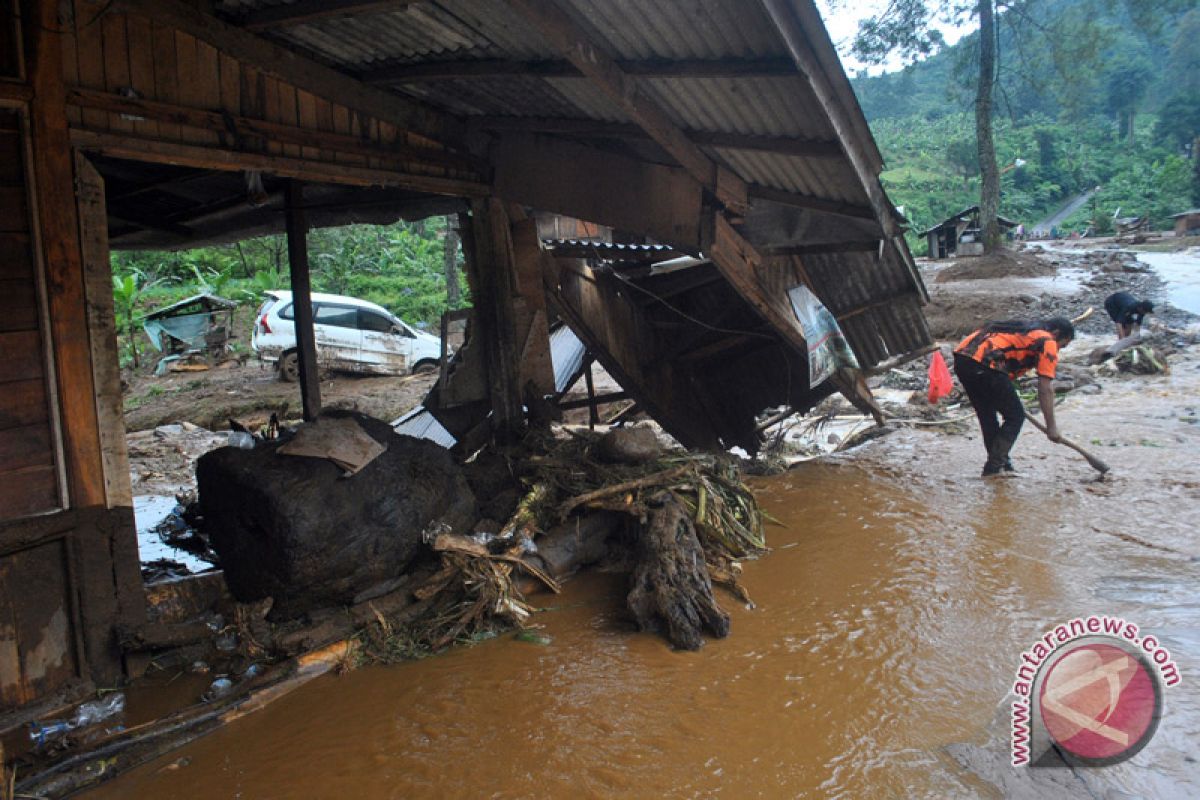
x,y
1127,312
987,362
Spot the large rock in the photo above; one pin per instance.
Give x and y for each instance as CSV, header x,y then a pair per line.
x,y
293,528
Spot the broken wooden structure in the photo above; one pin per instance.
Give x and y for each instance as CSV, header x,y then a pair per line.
x,y
959,235
724,130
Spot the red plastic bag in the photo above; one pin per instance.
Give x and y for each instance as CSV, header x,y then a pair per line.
x,y
940,383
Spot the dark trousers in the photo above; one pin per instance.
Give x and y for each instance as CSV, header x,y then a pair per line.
x,y
992,394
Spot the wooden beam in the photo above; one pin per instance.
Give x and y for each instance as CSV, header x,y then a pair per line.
x,y
430,71
225,124
821,204
593,412
491,267
15,94
586,128
594,399
306,11
57,221
306,344
739,262
102,328
301,72
562,33
554,175
151,224
864,246
157,151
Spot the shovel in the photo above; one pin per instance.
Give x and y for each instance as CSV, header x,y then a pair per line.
x,y
1096,463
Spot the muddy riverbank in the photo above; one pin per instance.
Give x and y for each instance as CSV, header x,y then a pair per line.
x,y
888,624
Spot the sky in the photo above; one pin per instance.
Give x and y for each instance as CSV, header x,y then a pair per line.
x,y
841,19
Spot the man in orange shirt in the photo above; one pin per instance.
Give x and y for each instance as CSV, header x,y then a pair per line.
x,y
988,361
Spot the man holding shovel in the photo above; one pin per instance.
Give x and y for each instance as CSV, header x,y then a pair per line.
x,y
988,361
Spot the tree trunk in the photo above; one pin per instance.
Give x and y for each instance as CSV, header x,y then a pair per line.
x,y
671,588
989,199
453,295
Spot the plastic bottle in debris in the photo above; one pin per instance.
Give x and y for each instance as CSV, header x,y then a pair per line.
x,y
98,710
219,688
85,716
42,732
240,439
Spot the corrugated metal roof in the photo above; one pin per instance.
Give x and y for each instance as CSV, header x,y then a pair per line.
x,y
882,290
566,353
667,30
420,424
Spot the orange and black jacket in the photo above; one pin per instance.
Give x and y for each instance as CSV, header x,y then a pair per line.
x,y
1013,353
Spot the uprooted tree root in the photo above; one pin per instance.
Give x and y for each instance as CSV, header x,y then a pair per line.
x,y
696,519
672,591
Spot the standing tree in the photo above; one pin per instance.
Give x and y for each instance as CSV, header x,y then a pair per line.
x,y
905,29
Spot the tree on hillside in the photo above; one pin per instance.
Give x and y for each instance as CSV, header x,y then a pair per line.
x,y
1062,34
1127,83
906,28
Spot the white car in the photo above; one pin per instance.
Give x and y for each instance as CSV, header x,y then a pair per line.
x,y
351,334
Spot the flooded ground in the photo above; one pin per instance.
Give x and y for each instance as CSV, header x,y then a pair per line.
x,y
1181,271
890,619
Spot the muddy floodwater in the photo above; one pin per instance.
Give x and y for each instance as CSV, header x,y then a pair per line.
x,y
890,616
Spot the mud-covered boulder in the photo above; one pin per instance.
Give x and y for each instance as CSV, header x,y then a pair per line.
x,y
295,529
635,445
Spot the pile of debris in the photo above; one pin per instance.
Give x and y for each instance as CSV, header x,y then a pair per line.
x,y
317,543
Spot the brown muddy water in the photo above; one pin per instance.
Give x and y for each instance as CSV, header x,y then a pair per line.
x,y
890,617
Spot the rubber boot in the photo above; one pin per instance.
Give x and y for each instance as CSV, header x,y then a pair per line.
x,y
998,456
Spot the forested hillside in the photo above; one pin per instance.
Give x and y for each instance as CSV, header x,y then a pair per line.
x,y
1087,95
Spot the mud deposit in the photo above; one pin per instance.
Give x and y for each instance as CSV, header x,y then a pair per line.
x,y
890,619
889,624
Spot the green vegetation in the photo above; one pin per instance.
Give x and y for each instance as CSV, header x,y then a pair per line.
x,y
1083,97
401,267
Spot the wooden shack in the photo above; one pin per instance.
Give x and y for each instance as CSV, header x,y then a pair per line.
x,y
725,129
1187,223
960,235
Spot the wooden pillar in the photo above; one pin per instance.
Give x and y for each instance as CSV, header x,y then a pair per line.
x,y
306,345
491,269
593,412
58,236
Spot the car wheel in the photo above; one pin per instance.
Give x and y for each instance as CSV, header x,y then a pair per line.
x,y
424,367
289,367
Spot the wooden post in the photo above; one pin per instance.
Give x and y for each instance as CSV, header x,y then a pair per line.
x,y
306,345
593,414
493,289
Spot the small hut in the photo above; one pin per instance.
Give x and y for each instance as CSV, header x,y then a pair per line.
x,y
960,234
1187,223
203,322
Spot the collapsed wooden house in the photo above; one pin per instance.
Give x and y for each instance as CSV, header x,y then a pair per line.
x,y
724,130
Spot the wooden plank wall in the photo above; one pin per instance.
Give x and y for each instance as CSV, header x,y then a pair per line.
x,y
68,555
129,55
617,332
28,472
